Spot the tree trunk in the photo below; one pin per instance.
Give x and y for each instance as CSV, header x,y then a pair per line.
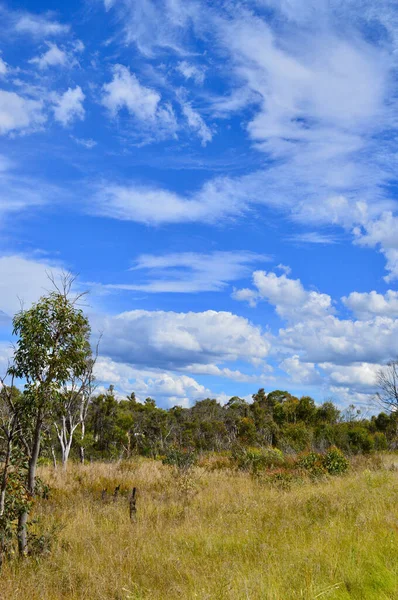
x,y
4,478
81,448
22,533
31,483
54,458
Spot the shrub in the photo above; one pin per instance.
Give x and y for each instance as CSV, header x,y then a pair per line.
x,y
380,441
257,459
334,462
295,436
182,459
313,463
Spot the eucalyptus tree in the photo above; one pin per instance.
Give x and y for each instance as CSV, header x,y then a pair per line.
x,y
53,348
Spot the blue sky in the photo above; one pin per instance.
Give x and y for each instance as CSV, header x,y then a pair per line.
x,y
221,177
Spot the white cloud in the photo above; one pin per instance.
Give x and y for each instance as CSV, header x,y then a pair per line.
x,y
125,91
367,305
359,375
190,272
18,113
86,143
38,25
330,339
138,19
190,71
53,57
23,279
300,372
69,106
225,372
168,388
382,232
174,340
312,237
142,103
196,123
3,67
289,297
153,206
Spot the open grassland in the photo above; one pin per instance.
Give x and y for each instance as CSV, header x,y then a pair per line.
x,y
213,535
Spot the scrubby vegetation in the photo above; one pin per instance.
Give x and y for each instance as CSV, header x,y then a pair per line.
x,y
212,532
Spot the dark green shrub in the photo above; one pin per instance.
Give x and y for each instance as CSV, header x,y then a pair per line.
x,y
360,440
296,437
334,462
182,459
380,441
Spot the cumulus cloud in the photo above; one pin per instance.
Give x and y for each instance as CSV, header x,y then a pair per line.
x,y
68,106
53,57
289,297
169,389
368,304
125,92
362,374
300,372
18,113
174,340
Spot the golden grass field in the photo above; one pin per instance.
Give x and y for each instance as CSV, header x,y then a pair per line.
x,y
213,535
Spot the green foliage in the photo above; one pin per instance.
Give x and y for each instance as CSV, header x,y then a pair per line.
x,y
256,459
332,463
313,463
53,341
182,459
335,462
380,441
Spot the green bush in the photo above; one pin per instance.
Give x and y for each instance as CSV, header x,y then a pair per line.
x,y
312,462
380,441
182,459
334,462
257,459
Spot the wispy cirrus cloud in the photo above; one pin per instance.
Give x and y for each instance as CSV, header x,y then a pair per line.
x,y
189,272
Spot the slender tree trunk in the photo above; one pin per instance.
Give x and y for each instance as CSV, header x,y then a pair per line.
x,y
24,514
22,533
4,478
81,448
54,458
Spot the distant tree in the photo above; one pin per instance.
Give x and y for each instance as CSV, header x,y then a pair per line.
x,y
327,413
387,381
70,410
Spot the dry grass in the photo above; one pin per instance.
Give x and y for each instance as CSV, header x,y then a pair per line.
x,y
213,535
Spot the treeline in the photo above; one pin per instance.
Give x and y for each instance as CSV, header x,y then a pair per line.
x,y
120,428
